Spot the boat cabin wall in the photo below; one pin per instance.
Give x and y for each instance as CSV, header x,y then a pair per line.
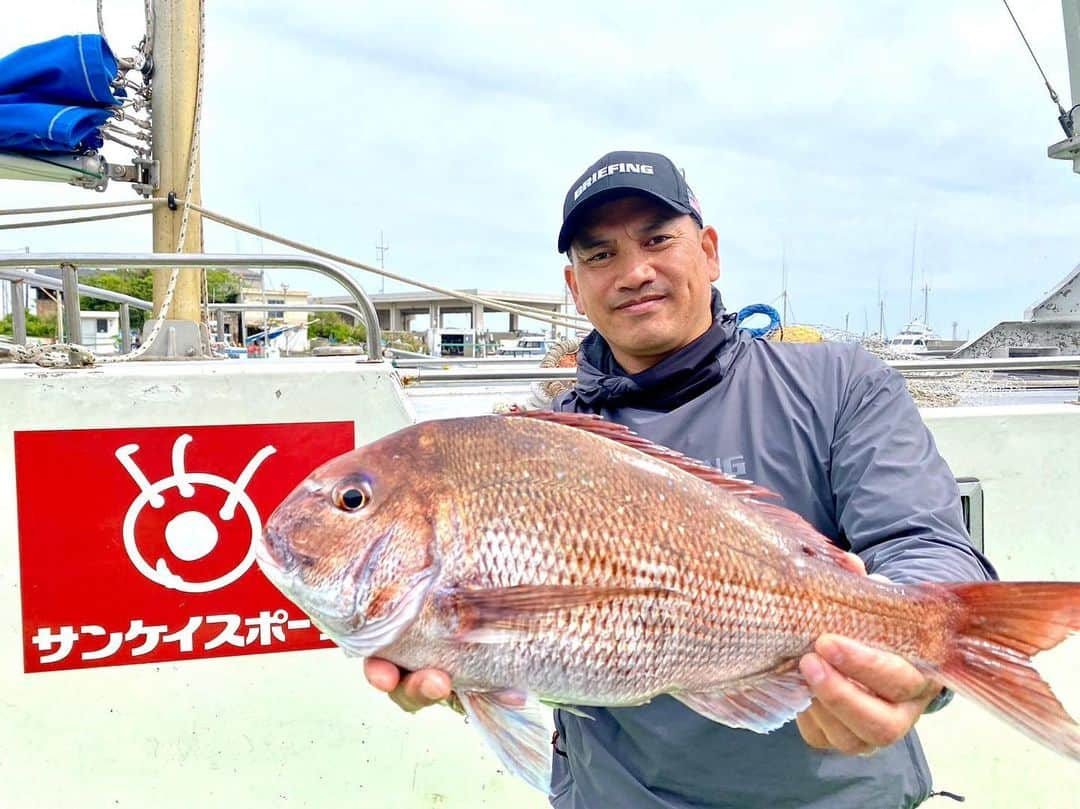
x,y
135,672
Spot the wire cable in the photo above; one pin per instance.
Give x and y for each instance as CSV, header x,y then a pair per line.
x,y
1064,118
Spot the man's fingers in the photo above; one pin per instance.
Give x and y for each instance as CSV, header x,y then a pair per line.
x,y
835,733
866,716
411,691
889,676
382,674
421,688
811,731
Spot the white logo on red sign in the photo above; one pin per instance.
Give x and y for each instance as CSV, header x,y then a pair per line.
x,y
190,535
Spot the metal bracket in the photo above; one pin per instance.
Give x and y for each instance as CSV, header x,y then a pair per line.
x,y
143,174
1068,149
97,172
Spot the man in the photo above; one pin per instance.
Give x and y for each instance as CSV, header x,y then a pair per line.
x,y
828,427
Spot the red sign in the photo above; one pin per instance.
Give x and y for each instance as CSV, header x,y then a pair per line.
x,y
137,545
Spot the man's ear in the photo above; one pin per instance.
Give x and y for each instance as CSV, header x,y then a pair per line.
x,y
710,245
571,281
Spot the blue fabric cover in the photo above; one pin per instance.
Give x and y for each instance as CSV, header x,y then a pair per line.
x,y
55,95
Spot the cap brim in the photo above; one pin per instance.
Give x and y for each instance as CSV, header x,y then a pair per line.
x,y
566,232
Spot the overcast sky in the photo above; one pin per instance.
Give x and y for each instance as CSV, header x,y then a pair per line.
x,y
825,130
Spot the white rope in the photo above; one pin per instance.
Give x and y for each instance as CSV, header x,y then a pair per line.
x,y
86,206
74,220
51,355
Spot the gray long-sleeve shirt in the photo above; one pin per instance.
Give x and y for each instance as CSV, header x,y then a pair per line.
x,y
834,431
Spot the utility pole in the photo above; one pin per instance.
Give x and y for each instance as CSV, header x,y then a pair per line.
x,y
177,24
382,248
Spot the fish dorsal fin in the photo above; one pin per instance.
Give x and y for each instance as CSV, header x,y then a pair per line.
x,y
621,434
812,543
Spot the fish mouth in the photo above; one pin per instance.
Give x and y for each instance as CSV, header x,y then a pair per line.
x,y
273,552
336,609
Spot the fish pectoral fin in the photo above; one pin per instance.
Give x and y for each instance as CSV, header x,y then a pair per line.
x,y
761,704
516,730
499,614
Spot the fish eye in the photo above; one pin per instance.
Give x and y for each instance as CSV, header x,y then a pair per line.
x,y
352,497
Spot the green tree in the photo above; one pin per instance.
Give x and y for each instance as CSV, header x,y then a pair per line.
x,y
134,283
221,285
35,326
332,327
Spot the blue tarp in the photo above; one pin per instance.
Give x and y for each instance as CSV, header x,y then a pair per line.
x,y
54,96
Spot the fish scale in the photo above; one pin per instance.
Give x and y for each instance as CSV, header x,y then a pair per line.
x,y
562,558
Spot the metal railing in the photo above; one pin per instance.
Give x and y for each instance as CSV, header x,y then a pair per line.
x,y
71,261
489,370
18,278
219,310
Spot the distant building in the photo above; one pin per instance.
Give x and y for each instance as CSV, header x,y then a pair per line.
x,y
286,329
398,311
100,331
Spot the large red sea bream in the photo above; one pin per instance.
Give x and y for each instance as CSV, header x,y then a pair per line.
x,y
561,560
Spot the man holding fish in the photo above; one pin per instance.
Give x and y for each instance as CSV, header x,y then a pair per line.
x,y
827,427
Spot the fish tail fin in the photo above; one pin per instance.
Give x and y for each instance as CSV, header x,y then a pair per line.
x,y
1003,626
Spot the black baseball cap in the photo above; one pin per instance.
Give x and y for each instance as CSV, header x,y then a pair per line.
x,y
619,173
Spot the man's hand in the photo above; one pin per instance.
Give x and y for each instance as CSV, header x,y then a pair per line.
x,y
410,690
864,698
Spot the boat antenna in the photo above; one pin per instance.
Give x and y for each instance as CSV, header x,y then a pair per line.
x,y
1064,118
911,282
926,302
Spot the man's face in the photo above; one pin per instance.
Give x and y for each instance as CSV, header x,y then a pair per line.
x,y
643,273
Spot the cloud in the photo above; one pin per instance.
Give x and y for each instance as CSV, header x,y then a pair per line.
x,y
456,128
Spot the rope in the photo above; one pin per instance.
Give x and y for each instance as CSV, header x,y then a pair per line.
x,y
52,355
74,220
83,207
759,309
